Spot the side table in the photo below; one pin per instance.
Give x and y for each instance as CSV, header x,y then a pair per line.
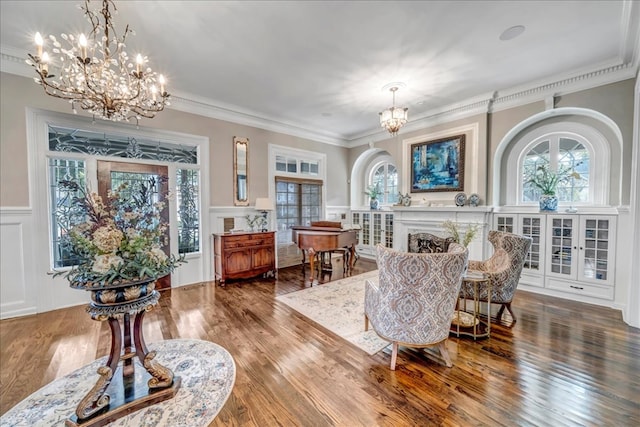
x,y
467,321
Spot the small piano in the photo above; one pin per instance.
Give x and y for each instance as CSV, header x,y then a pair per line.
x,y
316,239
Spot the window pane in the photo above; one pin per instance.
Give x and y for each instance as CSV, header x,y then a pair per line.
x,y
188,194
300,204
537,157
392,184
65,214
281,164
100,144
573,167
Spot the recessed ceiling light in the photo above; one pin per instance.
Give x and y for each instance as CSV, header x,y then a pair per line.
x,y
512,32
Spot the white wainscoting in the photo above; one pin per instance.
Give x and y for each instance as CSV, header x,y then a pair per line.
x,y
17,290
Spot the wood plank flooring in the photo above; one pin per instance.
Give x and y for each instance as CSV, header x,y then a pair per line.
x,y
562,364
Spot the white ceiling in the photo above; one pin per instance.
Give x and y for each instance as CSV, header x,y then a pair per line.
x,y
319,66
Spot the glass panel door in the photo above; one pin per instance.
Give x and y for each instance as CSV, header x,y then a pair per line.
x,y
113,174
595,248
533,226
561,246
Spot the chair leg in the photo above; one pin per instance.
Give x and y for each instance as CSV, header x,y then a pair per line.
x,y
513,316
394,355
366,322
445,353
499,314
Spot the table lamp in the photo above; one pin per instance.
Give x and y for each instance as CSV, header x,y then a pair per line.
x,y
264,205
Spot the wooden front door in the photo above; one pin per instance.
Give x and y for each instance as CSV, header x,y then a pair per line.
x,y
113,174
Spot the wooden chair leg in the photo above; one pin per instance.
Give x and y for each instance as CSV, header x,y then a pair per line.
x,y
394,355
366,323
445,353
499,314
513,316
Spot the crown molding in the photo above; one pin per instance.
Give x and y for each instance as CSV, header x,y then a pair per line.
x,y
562,85
626,67
234,114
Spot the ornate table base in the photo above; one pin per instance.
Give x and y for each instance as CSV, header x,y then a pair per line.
x,y
119,391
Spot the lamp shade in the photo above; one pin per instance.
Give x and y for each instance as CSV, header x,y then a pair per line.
x,y
264,204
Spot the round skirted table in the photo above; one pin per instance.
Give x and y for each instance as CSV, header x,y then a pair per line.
x,y
207,372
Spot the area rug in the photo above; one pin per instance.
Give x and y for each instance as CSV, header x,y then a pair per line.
x,y
339,307
207,371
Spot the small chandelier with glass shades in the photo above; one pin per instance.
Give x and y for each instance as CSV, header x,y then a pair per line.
x,y
96,73
393,118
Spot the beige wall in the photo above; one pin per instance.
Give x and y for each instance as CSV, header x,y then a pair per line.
x,y
613,100
18,93
394,145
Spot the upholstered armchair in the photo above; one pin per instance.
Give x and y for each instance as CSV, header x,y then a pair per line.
x,y
412,301
428,243
503,269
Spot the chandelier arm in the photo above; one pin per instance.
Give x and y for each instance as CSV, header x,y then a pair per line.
x,y
100,80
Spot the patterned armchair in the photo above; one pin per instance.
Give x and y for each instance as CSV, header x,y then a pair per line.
x,y
428,243
412,301
503,268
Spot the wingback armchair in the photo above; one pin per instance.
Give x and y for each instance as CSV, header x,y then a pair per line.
x,y
412,301
503,269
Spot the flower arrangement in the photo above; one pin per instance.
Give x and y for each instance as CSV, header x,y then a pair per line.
x,y
547,181
470,233
256,222
373,191
120,240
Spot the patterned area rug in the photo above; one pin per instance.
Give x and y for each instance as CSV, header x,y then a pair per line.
x,y
339,307
207,371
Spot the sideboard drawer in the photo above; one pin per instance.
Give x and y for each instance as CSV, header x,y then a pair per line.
x,y
244,255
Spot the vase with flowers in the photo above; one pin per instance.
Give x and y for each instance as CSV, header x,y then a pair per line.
x,y
121,238
119,256
546,181
374,192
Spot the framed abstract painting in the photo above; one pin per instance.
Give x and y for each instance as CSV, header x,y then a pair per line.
x,y
438,165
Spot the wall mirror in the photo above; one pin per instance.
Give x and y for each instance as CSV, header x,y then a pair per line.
x,y
240,171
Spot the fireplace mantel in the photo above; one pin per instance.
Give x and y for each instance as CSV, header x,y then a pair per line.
x,y
423,218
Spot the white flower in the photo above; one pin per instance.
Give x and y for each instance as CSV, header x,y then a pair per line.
x,y
104,263
157,255
107,238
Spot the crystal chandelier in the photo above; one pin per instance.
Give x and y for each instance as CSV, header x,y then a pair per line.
x,y
97,74
392,119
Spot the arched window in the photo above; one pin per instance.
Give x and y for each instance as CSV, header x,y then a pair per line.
x,y
568,158
578,153
384,175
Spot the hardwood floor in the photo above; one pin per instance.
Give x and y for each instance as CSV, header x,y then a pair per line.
x,y
562,364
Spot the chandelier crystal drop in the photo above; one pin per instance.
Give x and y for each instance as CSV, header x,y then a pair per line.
x,y
96,72
392,119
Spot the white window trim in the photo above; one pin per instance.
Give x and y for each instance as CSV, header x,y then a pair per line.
x,y
593,141
38,122
299,154
505,142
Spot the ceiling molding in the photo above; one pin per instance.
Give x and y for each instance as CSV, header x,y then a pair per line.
x,y
234,114
12,61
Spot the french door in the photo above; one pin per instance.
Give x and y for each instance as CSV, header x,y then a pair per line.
x,y
112,174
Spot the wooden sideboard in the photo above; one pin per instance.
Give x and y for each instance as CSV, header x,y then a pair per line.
x,y
244,255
